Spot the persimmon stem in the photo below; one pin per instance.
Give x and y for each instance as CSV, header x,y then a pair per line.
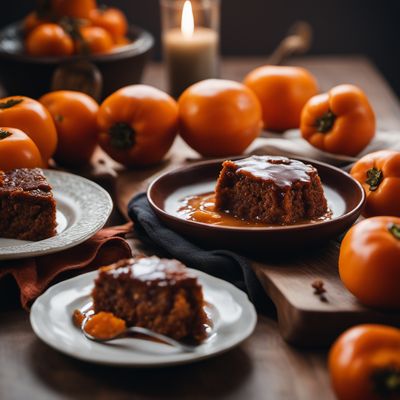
x,y
387,381
122,136
10,103
325,123
102,8
4,134
72,27
394,229
374,178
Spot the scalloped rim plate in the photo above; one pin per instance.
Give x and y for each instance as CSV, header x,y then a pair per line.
x,y
83,208
233,318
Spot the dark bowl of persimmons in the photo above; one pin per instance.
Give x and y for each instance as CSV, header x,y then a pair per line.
x,y
60,36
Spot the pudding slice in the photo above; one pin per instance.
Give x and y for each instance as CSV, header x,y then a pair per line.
x,y
271,190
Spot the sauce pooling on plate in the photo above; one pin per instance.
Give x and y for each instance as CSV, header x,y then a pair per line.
x,y
201,208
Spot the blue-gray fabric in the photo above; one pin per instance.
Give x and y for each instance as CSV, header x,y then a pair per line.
x,y
222,264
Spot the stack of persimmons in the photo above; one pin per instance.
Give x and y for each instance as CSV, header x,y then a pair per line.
x,y
137,125
66,27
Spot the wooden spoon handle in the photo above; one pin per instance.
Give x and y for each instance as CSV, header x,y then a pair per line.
x,y
298,41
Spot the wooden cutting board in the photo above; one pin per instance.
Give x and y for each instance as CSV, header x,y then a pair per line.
x,y
304,318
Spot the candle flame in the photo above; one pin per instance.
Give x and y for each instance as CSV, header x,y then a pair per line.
x,y
187,23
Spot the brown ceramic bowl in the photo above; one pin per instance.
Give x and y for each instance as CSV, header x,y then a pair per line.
x,y
345,197
21,74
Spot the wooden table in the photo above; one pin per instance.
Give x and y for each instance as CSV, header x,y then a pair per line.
x,y
263,367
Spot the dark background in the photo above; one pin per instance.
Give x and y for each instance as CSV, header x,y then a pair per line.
x,y
255,27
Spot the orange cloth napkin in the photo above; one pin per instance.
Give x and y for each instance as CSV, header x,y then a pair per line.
x,y
34,275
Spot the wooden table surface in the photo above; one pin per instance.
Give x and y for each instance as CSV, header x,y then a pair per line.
x,y
263,367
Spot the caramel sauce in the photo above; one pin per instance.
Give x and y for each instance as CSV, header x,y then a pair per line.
x,y
151,270
201,208
78,317
282,171
98,325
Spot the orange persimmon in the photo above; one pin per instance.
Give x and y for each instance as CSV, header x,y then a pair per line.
x,y
219,117
49,39
283,91
75,118
95,40
364,363
122,41
112,20
379,173
138,125
341,121
17,150
32,118
73,8
31,21
369,264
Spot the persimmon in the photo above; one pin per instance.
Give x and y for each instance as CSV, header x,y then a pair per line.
x,y
369,264
364,363
17,150
32,118
341,121
379,173
219,117
112,20
75,118
138,125
31,21
95,40
282,91
122,41
49,39
73,8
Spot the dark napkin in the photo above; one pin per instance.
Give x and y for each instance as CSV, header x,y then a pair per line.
x,y
34,275
222,264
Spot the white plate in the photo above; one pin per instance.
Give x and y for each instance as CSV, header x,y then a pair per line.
x,y
232,314
83,208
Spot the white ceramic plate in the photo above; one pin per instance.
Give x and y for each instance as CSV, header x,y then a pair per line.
x,y
232,315
83,208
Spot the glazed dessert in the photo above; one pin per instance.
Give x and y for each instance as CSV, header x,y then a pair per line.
x,y
158,294
27,205
270,190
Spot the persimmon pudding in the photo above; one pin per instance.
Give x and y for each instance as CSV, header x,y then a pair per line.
x,y
27,205
149,292
271,190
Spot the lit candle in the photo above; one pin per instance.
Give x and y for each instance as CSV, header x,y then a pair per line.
x,y
191,52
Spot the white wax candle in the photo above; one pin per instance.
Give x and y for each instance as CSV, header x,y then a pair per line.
x,y
190,58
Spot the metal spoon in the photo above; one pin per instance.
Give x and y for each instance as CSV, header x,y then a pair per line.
x,y
129,332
